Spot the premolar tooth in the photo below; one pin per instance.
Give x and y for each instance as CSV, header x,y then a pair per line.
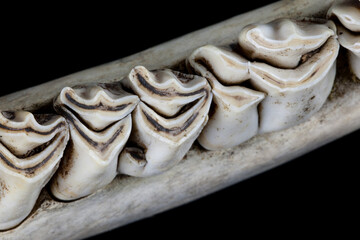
x,y
90,160
234,117
23,177
164,141
166,91
293,95
283,42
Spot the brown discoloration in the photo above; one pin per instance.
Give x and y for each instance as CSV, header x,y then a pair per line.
x,y
8,114
102,147
169,92
67,161
31,171
173,131
100,106
3,188
31,130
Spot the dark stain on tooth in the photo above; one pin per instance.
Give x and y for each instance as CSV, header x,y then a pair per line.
x,y
100,146
8,114
31,170
173,131
99,106
165,92
136,153
29,129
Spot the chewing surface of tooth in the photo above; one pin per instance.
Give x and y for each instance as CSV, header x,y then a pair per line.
x,y
22,178
283,42
348,13
22,131
166,91
228,67
234,117
163,141
98,104
293,95
90,160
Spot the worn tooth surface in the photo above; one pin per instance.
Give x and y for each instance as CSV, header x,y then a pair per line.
x,y
25,169
100,125
160,138
294,95
283,42
234,117
166,91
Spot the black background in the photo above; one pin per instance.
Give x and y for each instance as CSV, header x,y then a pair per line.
x,y
316,193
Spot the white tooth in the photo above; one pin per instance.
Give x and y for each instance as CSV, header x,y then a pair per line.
x,y
228,67
90,160
23,176
294,95
166,91
98,104
162,142
351,41
348,13
283,42
234,117
32,133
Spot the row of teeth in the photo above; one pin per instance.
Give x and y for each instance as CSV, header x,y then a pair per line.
x,y
104,130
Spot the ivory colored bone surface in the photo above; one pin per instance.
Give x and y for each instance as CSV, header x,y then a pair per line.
x,y
22,178
119,203
90,160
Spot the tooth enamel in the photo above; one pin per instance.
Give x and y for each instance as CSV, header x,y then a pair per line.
x,y
25,170
161,142
234,119
90,160
283,42
166,91
348,13
294,95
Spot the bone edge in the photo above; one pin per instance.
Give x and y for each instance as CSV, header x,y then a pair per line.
x,y
327,125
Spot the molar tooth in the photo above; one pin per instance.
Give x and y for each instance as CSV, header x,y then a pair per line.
x,y
90,160
283,42
164,141
348,12
234,119
166,91
294,95
23,176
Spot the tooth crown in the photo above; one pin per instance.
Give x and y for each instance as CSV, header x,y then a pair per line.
x,y
100,124
348,13
25,170
234,117
163,141
166,91
283,42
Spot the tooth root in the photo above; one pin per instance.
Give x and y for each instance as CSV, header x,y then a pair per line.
x,y
165,140
294,95
100,124
22,179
